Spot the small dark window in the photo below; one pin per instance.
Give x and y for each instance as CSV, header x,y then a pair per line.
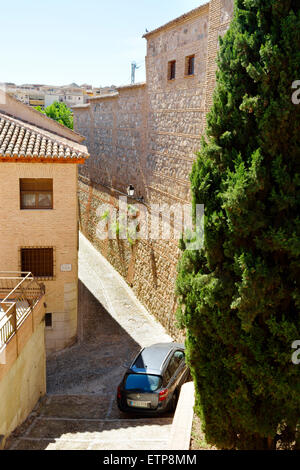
x,y
172,70
48,320
190,65
38,261
36,193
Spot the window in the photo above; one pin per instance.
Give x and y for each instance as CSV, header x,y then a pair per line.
x,y
36,193
48,320
175,361
190,65
38,261
143,382
179,356
172,70
167,377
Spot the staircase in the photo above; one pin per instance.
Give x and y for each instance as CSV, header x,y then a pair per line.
x,y
87,422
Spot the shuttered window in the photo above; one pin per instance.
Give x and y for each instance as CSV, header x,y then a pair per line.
x,y
36,193
38,261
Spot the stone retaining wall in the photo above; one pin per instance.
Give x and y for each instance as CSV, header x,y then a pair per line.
x,y
147,135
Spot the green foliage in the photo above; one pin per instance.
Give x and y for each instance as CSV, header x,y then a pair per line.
x,y
59,112
105,216
121,227
239,296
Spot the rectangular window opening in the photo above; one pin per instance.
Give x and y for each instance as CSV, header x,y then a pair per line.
x,y
36,193
190,65
172,70
48,320
38,261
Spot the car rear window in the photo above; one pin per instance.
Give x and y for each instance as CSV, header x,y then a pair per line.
x,y
143,382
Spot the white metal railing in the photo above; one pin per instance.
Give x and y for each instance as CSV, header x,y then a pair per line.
x,y
19,293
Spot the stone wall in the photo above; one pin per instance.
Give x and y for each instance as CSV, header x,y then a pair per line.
x,y
220,14
115,127
149,267
176,107
57,228
147,135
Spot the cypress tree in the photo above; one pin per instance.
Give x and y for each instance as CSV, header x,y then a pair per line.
x,y
239,295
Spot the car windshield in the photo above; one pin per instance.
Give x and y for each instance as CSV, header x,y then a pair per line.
x,y
143,382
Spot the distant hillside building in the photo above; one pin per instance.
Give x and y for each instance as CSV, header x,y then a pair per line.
x,y
45,95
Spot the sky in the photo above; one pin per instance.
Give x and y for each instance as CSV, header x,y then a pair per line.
x,y
57,42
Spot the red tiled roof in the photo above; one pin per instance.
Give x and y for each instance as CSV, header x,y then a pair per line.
x,y
21,141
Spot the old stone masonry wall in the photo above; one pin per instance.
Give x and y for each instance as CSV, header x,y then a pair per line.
x,y
146,135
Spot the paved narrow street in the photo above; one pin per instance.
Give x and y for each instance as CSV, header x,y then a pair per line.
x,y
79,411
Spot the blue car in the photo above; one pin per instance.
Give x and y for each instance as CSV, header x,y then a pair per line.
x,y
152,383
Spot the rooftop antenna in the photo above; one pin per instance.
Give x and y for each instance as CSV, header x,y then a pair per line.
x,y
134,67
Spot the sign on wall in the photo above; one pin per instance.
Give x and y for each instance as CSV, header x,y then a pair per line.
x,y
66,267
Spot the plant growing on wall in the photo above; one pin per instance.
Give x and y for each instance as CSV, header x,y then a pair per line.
x,y
119,225
239,296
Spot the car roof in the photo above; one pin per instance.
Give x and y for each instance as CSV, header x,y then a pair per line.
x,y
151,359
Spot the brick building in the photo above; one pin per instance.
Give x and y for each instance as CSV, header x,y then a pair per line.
x,y
146,135
39,161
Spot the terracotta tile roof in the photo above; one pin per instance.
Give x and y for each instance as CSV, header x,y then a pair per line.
x,y
21,141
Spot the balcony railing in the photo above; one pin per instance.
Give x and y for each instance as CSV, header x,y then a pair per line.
x,y
19,294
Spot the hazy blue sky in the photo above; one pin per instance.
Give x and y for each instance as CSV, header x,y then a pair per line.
x,y
84,41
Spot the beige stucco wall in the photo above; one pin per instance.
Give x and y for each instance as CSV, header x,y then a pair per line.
x,y
23,384
57,228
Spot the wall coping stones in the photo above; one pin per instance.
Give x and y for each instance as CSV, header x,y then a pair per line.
x,y
102,97
132,85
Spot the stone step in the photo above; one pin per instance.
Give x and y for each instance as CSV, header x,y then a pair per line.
x,y
64,444
75,406
87,429
94,434
89,422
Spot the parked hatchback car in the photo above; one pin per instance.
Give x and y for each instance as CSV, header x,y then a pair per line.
x,y
152,383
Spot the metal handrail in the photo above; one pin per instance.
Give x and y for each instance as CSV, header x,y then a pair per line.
x,y
18,303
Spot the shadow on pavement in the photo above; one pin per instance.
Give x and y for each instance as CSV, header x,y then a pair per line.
x,y
80,410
